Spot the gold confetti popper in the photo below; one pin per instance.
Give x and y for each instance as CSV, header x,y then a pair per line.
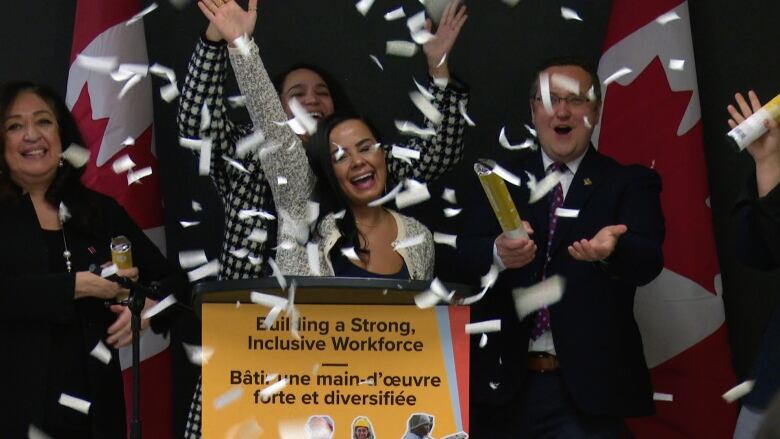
x,y
122,256
498,195
753,127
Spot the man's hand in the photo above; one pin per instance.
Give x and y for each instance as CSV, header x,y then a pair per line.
x,y
227,20
600,247
518,252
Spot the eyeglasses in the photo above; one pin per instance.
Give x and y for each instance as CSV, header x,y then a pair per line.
x,y
573,101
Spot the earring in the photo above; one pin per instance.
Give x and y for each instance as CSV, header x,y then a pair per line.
x,y
61,163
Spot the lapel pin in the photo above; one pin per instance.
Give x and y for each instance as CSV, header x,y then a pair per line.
x,y
587,181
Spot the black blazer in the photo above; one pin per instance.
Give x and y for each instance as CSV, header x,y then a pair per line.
x,y
596,338
759,247
36,305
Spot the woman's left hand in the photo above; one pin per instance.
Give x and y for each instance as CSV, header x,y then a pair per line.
x,y
452,20
120,333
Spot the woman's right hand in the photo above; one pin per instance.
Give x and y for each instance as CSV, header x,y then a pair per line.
x,y
89,284
227,20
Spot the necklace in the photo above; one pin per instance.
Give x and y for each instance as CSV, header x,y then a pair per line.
x,y
66,254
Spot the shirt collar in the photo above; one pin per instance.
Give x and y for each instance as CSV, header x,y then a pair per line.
x,y
572,165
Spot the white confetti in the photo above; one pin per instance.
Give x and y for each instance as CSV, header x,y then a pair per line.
x,y
401,48
426,107
192,258
424,91
445,239
243,45
504,173
159,307
511,3
169,92
141,14
566,213
350,253
277,273
128,141
591,95
273,389
483,340
271,377
464,115
384,199
194,144
76,155
402,153
541,188
566,82
667,18
677,64
285,245
255,260
449,212
302,116
313,257
228,397
186,224
249,213
281,181
531,130
101,352
74,403
493,385
205,117
249,143
196,207
617,75
658,396
432,296
161,71
34,432
543,294
395,14
569,14
239,253
544,90
410,128
210,269
294,125
135,176
340,214
586,122
409,242
483,327
234,163
204,162
377,62
267,300
135,79
363,6
422,36
63,213
273,314
413,195
448,195
198,355
442,61
441,82
123,164
109,271
99,64
738,391
416,22
237,101
504,142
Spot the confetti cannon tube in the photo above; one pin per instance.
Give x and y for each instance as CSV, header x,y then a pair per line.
x,y
753,127
500,201
122,256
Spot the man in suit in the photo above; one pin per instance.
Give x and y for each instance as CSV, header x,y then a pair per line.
x,y
577,368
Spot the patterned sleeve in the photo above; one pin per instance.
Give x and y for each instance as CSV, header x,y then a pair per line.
x,y
438,153
283,159
204,83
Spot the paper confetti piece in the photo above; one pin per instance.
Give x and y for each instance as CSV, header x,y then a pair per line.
x,y
281,181
377,62
395,14
135,176
194,144
422,36
204,162
76,155
237,101
239,253
410,128
210,269
135,79
205,117
483,327
503,173
533,298
273,389
159,307
186,224
363,6
350,253
449,212
169,92
302,116
267,300
412,196
504,142
192,258
255,260
109,271
196,207
464,115
658,396
101,352
277,273
544,90
141,14
493,385
313,257
738,391
586,122
401,48
249,213
34,432
483,340
63,213
122,164
667,18
198,355
228,398
445,239
567,213
449,196
74,403
98,64
426,107
617,75
541,188
511,3
249,143
161,71
234,163
384,199
433,295
409,242
677,64
569,14
400,152
428,95
248,429
243,45
565,82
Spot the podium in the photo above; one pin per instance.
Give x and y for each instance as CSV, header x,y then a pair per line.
x,y
354,353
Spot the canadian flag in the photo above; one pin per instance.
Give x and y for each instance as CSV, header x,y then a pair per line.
x,y
651,116
102,30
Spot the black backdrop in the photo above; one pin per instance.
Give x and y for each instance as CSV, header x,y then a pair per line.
x,y
735,45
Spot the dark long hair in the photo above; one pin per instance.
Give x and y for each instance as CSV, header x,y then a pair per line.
x,y
340,100
66,187
328,191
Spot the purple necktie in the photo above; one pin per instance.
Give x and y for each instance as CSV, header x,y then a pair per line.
x,y
542,319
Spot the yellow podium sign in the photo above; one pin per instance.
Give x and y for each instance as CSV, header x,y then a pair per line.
x,y
352,371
